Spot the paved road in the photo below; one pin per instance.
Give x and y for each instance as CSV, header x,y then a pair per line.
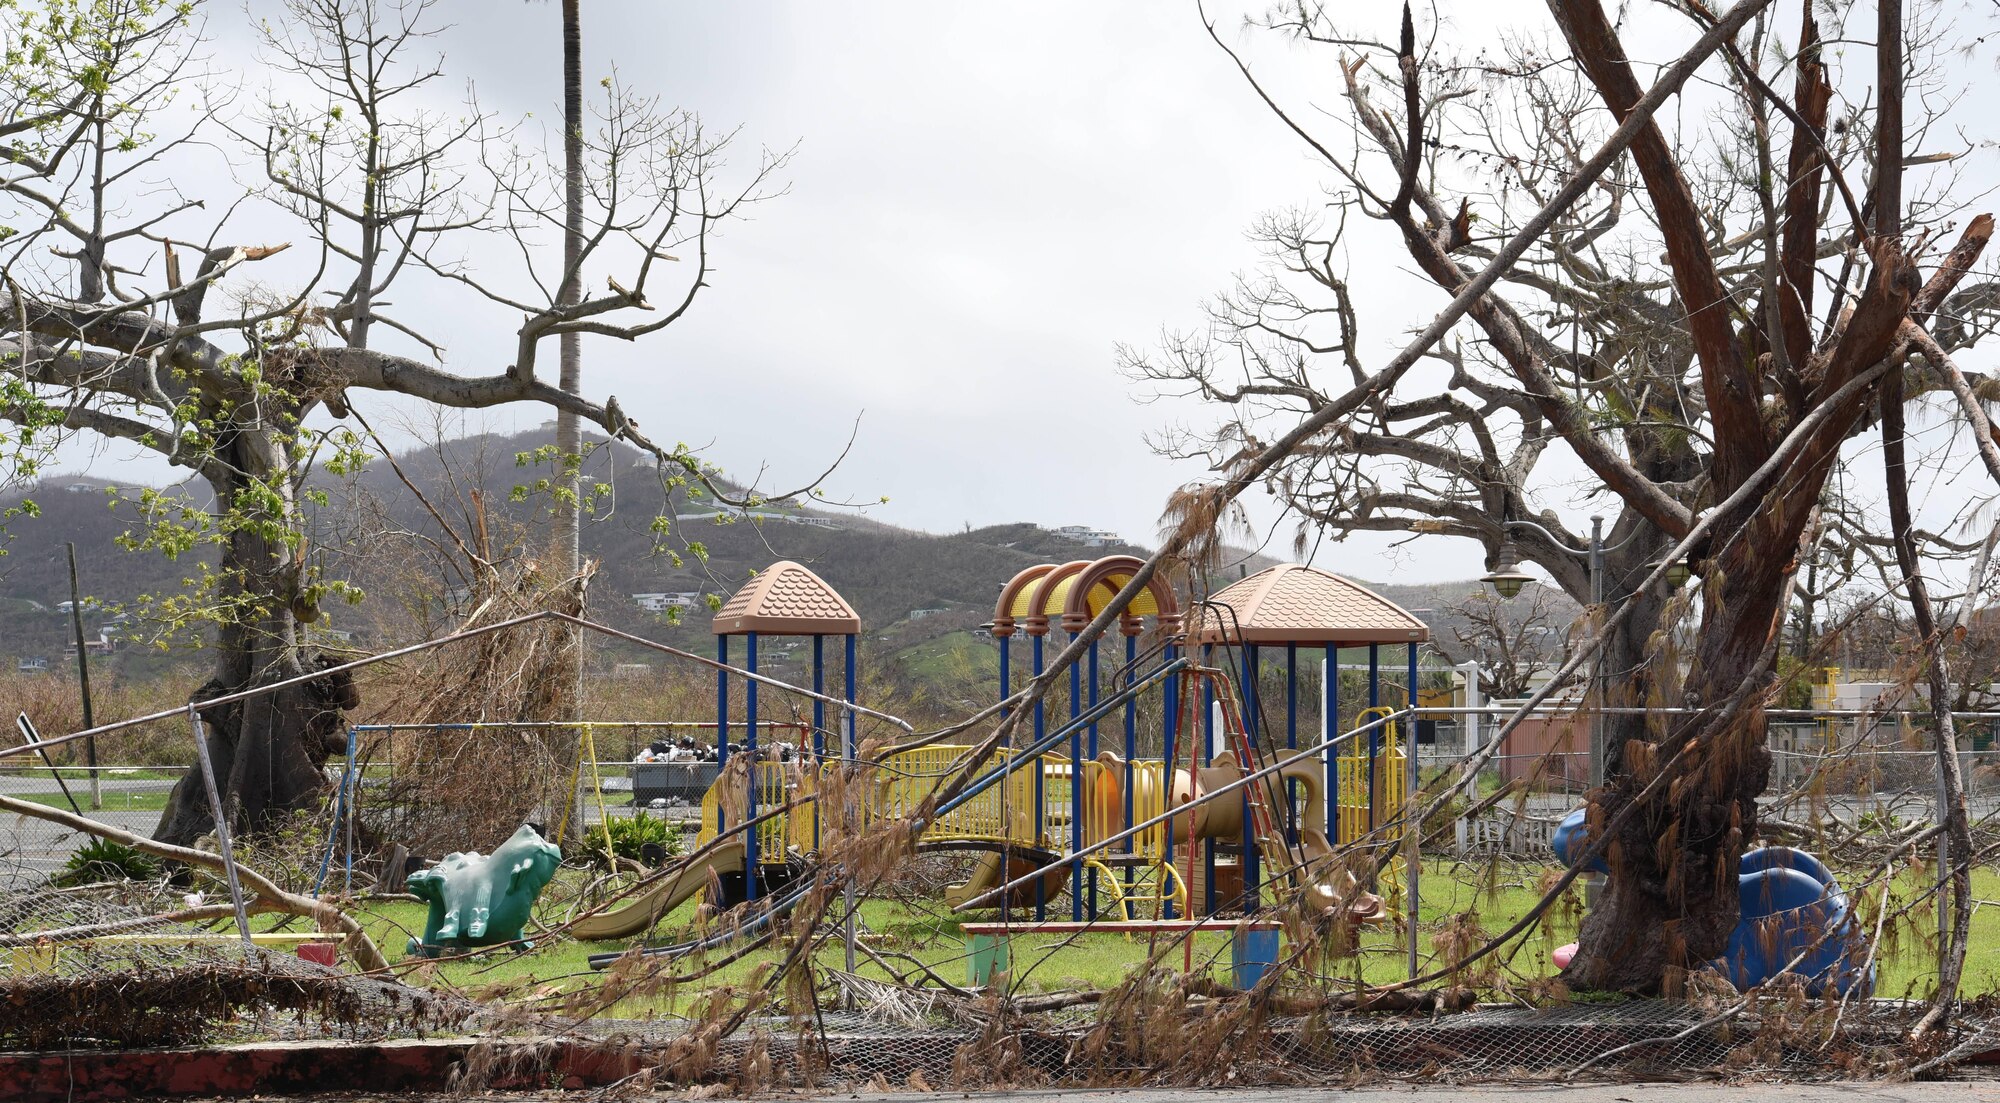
x,y
31,848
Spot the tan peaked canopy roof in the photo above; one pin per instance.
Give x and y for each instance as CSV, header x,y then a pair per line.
x,y
787,600
1291,603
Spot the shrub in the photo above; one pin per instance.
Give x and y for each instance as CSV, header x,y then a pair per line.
x,y
105,860
631,834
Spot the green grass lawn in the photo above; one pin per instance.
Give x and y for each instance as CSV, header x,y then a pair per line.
x,y
931,935
928,932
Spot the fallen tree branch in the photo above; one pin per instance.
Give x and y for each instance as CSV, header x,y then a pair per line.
x,y
330,919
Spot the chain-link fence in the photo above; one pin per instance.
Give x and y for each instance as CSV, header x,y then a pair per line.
x,y
850,959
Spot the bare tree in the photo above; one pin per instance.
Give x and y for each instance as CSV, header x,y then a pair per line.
x,y
114,338
1703,305
1514,642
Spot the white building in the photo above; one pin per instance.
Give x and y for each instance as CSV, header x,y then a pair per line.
x,y
661,602
1088,537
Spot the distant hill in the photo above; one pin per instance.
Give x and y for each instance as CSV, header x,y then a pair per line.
x,y
887,573
921,595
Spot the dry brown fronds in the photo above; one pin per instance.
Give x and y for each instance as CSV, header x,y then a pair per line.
x,y
470,789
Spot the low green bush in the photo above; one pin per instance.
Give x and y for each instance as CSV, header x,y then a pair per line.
x,y
630,835
105,860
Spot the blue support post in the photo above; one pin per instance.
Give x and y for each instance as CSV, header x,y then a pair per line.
x,y
1208,759
750,856
1374,733
850,738
1006,673
721,724
1041,802
1075,790
819,700
1410,694
1330,706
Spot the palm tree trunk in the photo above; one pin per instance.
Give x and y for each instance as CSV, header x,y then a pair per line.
x,y
568,534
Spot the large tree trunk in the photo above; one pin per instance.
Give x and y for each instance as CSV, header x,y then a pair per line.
x,y
1632,659
1670,901
268,751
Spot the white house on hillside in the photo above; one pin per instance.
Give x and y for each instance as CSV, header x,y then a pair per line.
x,y
661,602
1088,537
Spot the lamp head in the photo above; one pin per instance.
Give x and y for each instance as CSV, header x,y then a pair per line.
x,y
1507,578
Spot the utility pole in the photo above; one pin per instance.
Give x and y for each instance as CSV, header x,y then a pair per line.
x,y
83,678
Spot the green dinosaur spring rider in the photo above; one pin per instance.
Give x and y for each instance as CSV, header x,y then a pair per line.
x,y
484,900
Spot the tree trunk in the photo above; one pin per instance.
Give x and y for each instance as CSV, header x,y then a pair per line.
x,y
568,535
1670,901
1632,677
268,751
569,441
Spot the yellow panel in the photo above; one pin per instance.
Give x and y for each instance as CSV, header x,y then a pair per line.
x,y
1022,603
1142,605
1058,597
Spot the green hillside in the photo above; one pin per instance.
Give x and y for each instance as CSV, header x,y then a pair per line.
x,y
948,581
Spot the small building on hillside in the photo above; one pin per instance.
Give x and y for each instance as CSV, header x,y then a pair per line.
x,y
1087,536
663,601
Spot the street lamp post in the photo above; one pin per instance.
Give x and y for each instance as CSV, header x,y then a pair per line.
x,y
1507,580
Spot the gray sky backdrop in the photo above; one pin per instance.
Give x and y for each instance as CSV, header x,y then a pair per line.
x,y
984,200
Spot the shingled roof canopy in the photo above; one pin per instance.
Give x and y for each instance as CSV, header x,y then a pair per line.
x,y
787,600
1291,603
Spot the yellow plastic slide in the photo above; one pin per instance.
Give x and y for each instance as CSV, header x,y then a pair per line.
x,y
987,876
650,906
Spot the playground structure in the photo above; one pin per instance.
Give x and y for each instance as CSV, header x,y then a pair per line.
x,y
1176,835
1301,820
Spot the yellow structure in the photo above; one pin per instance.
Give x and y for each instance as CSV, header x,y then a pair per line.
x,y
1000,818
1389,779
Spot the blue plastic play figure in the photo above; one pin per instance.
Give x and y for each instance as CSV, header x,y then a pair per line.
x,y
484,900
1789,899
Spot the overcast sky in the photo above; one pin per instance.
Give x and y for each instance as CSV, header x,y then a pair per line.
x,y
984,200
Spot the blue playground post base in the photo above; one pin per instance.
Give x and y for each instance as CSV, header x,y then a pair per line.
x,y
1788,899
1252,953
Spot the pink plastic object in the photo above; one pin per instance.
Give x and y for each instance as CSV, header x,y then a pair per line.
x,y
1563,955
320,953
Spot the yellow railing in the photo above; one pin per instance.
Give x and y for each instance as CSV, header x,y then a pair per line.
x,y
777,783
898,788
1391,779
1104,812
